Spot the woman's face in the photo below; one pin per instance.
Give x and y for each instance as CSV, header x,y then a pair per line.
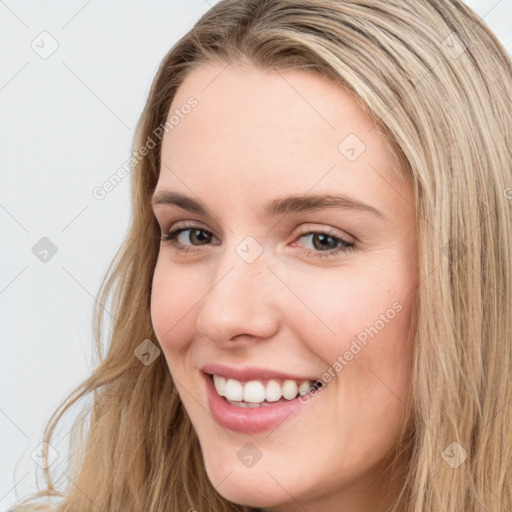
x,y
268,291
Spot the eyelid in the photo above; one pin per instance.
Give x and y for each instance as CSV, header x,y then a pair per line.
x,y
185,225
168,227
329,230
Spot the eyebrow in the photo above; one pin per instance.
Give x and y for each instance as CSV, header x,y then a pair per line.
x,y
278,206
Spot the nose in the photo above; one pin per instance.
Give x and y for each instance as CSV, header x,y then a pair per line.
x,y
241,302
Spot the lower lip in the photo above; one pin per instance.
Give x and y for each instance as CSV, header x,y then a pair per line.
x,y
247,420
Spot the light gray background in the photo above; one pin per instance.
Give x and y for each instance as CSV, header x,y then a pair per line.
x,y
66,124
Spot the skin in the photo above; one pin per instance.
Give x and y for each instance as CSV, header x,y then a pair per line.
x,y
255,136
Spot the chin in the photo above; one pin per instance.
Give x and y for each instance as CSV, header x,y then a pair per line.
x,y
244,486
250,495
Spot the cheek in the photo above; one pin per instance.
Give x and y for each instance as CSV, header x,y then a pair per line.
x,y
358,325
173,295
340,307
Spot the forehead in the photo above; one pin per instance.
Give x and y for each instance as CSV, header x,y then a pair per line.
x,y
272,131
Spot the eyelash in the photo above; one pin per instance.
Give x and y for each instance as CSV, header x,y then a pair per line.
x,y
345,246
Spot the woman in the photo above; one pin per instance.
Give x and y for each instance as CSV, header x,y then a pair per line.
x,y
312,306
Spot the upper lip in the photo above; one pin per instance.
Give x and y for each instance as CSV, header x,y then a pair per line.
x,y
247,373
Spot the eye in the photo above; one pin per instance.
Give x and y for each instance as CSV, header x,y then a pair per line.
x,y
198,233
325,243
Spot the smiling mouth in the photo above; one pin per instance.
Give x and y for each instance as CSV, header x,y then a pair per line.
x,y
262,392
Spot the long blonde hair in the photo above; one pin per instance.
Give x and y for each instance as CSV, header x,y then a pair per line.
x,y
438,84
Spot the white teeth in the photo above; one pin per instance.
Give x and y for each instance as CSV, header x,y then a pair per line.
x,y
220,384
304,388
254,392
234,390
290,389
273,391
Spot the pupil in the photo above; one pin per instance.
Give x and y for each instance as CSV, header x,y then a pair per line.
x,y
321,237
195,232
